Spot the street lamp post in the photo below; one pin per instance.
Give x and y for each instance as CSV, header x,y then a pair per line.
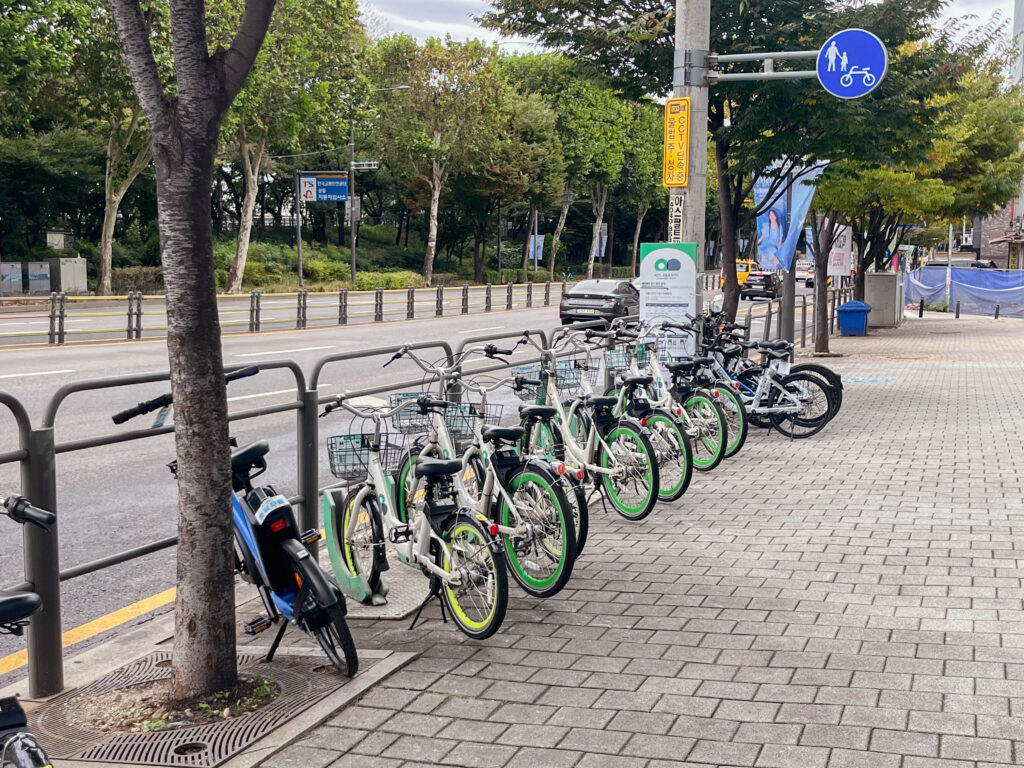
x,y
352,178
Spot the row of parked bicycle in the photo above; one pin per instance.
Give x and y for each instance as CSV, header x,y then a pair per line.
x,y
470,499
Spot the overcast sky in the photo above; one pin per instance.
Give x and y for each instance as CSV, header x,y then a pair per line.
x,y
427,18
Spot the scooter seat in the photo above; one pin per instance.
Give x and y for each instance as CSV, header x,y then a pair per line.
x,y
507,434
18,606
436,468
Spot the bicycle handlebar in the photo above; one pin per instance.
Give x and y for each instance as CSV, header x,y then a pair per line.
x,y
20,511
166,399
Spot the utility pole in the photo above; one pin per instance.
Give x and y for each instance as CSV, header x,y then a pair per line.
x,y
949,266
352,193
693,43
298,224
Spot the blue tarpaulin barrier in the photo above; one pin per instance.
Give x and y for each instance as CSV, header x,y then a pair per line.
x,y
977,290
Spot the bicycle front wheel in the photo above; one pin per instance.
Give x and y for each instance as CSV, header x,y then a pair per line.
x,y
675,455
709,431
814,399
479,599
632,488
735,417
357,548
540,561
336,641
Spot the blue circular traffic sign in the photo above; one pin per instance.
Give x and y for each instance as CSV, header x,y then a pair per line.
x,y
852,63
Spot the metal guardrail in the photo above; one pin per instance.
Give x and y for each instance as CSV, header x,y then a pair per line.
x,y
269,310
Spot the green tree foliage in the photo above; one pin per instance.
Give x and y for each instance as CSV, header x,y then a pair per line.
x,y
640,187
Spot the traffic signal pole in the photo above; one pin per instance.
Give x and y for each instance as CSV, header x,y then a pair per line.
x,y
693,43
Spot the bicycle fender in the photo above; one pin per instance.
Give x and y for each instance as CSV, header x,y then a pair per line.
x,y
315,579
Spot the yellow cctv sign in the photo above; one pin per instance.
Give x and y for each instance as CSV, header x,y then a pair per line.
x,y
676,170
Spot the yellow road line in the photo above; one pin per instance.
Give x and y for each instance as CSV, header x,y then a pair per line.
x,y
98,626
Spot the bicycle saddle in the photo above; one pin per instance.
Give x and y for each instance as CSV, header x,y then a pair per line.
x,y
508,434
682,366
18,606
776,345
731,349
245,458
639,381
427,467
776,354
537,411
595,401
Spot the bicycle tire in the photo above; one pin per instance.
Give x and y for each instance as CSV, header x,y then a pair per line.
x,y
712,434
466,533
675,468
336,641
21,750
786,423
543,437
357,556
831,377
577,497
525,564
735,417
619,432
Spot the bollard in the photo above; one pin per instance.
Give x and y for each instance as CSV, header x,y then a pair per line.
x,y
343,306
465,298
750,316
305,307
487,298
508,297
53,318
547,294
958,309
131,314
563,288
832,313
138,315
529,295
300,309
768,322
803,321
259,309
410,304
252,311
920,309
378,305
997,312
439,311
62,313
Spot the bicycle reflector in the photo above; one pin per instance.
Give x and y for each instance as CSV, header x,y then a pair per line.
x,y
643,422
278,525
679,411
579,474
561,469
494,529
715,393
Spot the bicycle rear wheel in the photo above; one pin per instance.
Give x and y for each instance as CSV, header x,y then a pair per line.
x,y
336,641
479,601
735,417
833,379
674,453
814,398
709,435
633,489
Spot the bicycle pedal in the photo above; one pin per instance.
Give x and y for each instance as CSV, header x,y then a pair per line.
x,y
400,534
310,536
257,625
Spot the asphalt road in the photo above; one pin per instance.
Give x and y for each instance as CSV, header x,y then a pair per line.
x,y
121,496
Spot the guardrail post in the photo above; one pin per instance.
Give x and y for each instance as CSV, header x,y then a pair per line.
x,y
378,305
803,320
958,309
547,294
131,314
53,318
750,317
309,464
508,297
768,322
252,311
465,298
42,569
259,310
138,314
487,298
529,295
300,314
410,304
343,306
62,313
305,308
439,307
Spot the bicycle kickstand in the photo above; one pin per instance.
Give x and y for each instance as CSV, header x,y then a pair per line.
x,y
277,641
435,591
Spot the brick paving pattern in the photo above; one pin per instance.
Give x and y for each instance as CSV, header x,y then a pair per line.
x,y
849,600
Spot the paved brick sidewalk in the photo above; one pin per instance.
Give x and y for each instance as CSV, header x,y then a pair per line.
x,y
849,600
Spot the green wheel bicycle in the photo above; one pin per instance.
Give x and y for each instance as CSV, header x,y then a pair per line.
x,y
735,417
633,491
708,430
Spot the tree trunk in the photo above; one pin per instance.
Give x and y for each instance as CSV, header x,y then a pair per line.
x,y
727,217
437,182
559,227
341,224
600,197
252,157
113,194
824,232
530,221
398,235
862,268
479,251
641,212
610,246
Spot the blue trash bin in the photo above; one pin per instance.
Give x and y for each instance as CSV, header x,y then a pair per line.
x,y
853,318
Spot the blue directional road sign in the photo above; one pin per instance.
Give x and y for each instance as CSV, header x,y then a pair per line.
x,y
323,187
852,63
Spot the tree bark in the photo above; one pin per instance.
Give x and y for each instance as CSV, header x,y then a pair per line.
x,y
600,197
437,180
641,212
562,214
252,157
184,137
114,192
530,220
824,233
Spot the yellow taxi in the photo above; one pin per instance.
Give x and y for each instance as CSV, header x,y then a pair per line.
x,y
743,270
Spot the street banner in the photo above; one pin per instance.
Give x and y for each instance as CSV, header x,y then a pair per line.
x,y
668,285
840,258
778,227
809,239
676,160
536,248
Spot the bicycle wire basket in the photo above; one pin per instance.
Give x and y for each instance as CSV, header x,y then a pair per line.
x,y
617,361
572,371
408,421
528,392
350,455
461,418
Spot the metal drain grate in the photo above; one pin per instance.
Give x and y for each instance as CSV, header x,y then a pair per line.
x,y
204,746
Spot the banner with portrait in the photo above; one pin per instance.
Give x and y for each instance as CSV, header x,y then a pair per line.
x,y
782,217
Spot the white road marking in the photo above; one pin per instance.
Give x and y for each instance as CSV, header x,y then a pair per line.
x,y
37,373
478,330
368,401
284,351
269,394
